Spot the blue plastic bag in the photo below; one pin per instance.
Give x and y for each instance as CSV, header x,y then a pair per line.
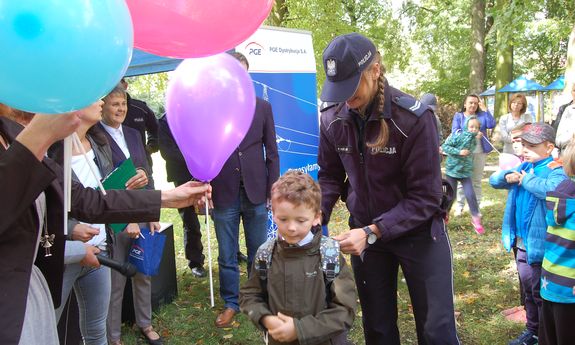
x,y
146,253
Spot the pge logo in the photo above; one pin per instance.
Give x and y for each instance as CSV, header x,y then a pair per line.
x,y
254,48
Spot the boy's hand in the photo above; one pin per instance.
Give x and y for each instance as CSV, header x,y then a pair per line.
x,y
521,176
271,322
286,331
513,177
464,152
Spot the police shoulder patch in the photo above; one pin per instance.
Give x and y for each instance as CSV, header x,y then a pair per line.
x,y
327,105
410,104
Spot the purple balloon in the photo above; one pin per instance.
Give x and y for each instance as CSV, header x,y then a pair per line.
x,y
210,105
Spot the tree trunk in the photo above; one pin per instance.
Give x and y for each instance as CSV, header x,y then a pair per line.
x,y
503,66
477,72
570,66
279,14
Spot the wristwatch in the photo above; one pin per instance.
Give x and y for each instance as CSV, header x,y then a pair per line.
x,y
371,236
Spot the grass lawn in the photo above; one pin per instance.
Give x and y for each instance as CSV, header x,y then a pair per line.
x,y
484,276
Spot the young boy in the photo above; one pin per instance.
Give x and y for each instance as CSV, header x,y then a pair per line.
x,y
558,271
524,224
291,303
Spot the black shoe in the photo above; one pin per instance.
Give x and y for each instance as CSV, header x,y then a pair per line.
x,y
525,338
198,272
242,258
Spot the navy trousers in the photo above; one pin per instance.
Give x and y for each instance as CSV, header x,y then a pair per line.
x,y
556,323
530,278
427,267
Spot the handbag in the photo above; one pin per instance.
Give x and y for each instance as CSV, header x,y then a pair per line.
x,y
146,252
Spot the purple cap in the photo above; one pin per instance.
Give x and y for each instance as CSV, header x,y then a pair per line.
x,y
344,59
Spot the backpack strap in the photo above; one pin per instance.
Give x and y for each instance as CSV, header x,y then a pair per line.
x,y
263,260
330,265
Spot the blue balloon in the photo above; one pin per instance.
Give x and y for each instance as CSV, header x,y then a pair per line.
x,y
58,56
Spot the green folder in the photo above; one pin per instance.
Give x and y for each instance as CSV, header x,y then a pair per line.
x,y
117,180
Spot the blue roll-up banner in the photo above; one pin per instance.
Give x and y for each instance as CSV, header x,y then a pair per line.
x,y
282,67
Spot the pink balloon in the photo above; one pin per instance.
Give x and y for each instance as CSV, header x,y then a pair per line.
x,y
508,161
195,28
210,105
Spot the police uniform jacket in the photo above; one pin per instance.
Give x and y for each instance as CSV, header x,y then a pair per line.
x,y
142,118
296,287
397,188
248,165
22,179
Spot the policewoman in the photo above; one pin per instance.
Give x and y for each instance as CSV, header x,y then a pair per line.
x,y
378,150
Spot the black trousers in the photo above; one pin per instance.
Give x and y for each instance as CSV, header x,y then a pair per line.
x,y
557,323
192,236
427,267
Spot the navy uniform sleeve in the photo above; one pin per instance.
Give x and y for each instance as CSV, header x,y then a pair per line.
x,y
331,174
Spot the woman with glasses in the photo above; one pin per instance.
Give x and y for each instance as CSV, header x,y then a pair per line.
x,y
515,117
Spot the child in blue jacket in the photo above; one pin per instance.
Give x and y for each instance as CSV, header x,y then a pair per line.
x,y
557,318
459,147
524,224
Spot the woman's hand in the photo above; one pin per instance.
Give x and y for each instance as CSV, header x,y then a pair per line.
x,y
90,259
84,232
132,230
464,152
352,242
187,194
482,105
137,181
154,226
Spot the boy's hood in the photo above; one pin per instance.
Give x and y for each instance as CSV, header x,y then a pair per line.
x,y
562,201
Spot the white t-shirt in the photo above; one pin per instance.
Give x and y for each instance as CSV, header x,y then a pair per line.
x,y
82,171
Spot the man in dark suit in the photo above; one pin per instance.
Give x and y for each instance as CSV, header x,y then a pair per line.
x,y
177,172
241,190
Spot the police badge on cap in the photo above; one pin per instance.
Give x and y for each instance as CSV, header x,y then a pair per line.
x,y
330,68
344,59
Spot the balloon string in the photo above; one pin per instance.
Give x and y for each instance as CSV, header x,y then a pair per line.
x,y
489,142
78,143
209,251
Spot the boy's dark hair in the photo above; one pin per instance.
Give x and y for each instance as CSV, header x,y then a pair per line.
x,y
297,188
241,58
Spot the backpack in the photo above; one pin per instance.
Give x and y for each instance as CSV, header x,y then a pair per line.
x,y
329,258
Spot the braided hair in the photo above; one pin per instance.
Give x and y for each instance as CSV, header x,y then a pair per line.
x,y
383,135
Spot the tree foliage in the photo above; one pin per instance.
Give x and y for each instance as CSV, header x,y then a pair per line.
x,y
426,45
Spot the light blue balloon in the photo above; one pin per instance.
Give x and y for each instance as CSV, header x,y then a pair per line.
x,y
62,55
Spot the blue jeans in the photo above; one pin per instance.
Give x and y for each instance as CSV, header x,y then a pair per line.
x,y
227,225
92,287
